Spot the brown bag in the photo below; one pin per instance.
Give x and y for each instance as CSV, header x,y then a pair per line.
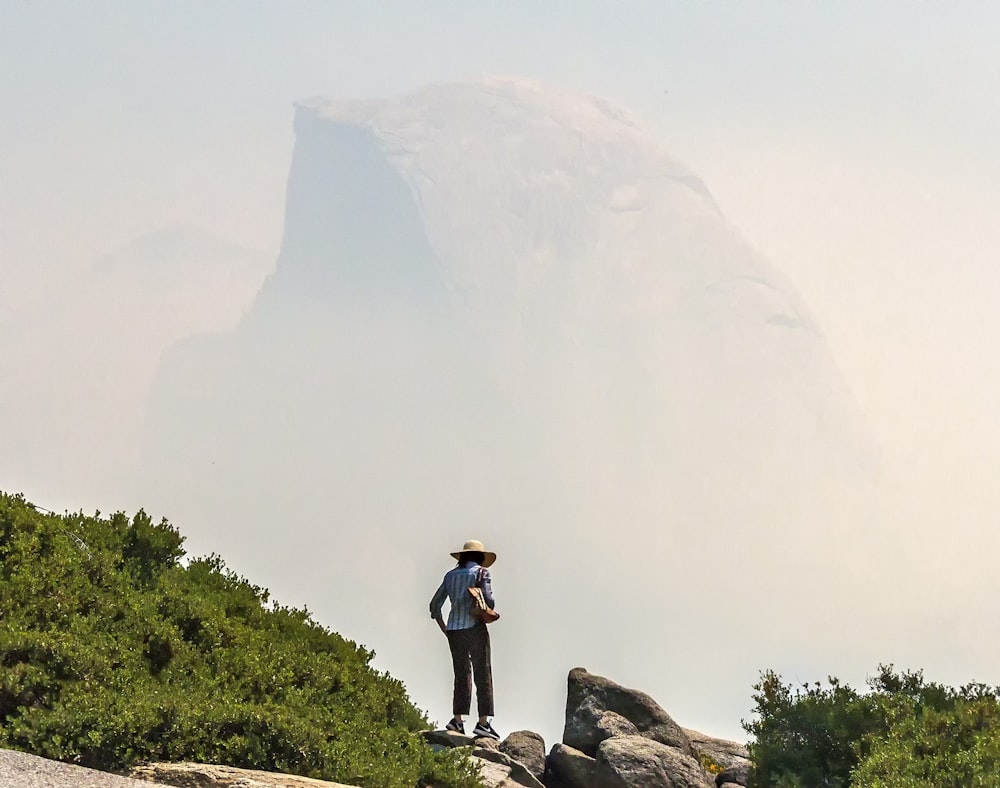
x,y
480,610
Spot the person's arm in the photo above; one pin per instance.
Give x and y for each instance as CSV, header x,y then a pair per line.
x,y
437,602
488,589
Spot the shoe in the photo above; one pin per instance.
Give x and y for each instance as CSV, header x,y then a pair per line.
x,y
456,726
484,730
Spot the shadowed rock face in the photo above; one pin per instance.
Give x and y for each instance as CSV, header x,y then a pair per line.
x,y
351,225
504,310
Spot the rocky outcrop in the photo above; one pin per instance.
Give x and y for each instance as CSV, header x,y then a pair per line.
x,y
589,699
203,775
498,765
617,737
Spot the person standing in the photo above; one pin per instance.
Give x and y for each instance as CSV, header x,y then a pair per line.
x,y
468,638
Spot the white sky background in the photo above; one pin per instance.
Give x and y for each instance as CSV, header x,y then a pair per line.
x,y
853,143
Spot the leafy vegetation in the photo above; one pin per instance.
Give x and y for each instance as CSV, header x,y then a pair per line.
x,y
114,651
904,733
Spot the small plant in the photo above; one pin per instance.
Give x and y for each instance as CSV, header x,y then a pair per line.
x,y
709,764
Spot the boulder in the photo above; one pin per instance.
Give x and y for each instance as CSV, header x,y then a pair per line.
x,y
636,761
495,775
498,770
205,775
442,739
738,774
528,748
567,767
589,696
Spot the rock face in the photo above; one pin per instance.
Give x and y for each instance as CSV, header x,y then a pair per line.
x,y
588,723
202,775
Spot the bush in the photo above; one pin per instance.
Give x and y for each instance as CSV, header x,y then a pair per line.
x,y
954,748
903,733
113,653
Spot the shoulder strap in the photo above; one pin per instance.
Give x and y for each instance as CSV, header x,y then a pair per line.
x,y
479,576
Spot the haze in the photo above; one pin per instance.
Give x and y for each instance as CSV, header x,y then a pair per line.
x,y
146,152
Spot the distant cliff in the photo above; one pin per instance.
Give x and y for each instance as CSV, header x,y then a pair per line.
x,y
503,309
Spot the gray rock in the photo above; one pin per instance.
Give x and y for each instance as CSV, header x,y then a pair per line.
x,y
495,775
567,767
722,751
20,770
486,743
528,748
589,696
442,739
738,774
639,762
501,771
611,723
205,775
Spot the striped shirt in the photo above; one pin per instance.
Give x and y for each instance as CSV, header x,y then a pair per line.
x,y
455,587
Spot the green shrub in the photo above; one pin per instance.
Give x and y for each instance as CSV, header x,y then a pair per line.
x,y
112,652
957,747
904,732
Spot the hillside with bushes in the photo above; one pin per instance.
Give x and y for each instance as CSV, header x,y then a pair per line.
x,y
116,649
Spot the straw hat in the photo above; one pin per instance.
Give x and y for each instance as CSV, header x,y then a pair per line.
x,y
474,546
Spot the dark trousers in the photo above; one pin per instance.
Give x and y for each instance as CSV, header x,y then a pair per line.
x,y
470,656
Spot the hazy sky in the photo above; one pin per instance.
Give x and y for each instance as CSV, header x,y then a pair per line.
x,y
850,142
853,143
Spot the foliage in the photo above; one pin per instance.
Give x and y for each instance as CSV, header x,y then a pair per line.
x,y
958,747
113,652
904,732
709,764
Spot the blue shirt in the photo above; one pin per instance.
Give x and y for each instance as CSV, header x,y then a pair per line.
x,y
455,587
